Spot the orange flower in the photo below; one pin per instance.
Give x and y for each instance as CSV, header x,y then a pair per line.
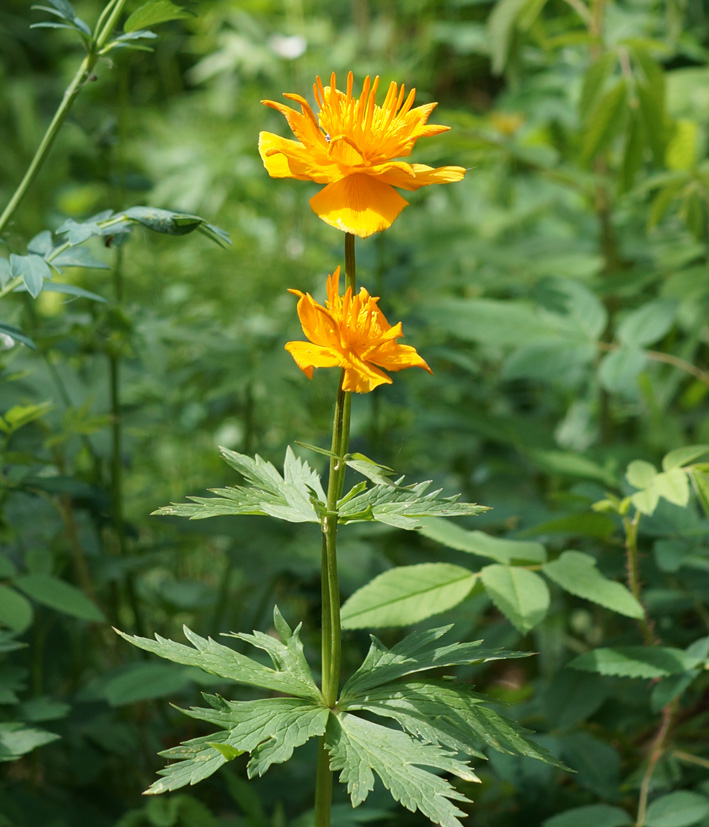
x,y
351,333
351,146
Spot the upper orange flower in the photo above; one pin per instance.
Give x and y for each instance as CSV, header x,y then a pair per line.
x,y
351,146
351,333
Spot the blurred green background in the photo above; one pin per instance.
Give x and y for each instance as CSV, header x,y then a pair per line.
x,y
559,293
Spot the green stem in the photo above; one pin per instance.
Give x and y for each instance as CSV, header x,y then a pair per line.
x,y
103,31
631,548
331,629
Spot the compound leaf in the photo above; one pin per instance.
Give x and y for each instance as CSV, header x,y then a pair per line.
x,y
359,749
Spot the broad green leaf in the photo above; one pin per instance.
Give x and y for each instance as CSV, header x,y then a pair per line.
x,y
490,321
407,594
451,715
683,456
673,485
577,573
402,506
154,12
521,595
270,728
605,121
500,28
596,762
652,111
57,594
636,661
359,749
553,360
289,497
17,739
568,464
681,152
145,681
592,815
41,244
678,809
583,524
15,610
220,660
641,474
647,324
619,370
417,652
594,80
477,542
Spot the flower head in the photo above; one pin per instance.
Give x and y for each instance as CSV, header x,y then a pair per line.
x,y
350,332
350,146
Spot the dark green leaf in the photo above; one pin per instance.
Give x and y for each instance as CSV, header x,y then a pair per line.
x,y
154,12
59,595
636,661
605,121
15,610
592,815
677,809
521,595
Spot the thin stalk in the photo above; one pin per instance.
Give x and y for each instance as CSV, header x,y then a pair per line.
x,y
103,30
331,629
631,549
656,751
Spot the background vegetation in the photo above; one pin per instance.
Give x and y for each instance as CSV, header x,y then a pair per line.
x,y
560,294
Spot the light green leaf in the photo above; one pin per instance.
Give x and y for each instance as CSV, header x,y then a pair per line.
x,y
360,748
594,80
476,542
577,573
619,370
154,12
407,594
701,483
490,321
451,715
417,652
673,485
290,497
636,661
605,121
17,739
647,324
593,815
269,728
521,595
683,456
681,152
678,809
194,761
15,610
500,28
402,506
641,474
288,677
57,594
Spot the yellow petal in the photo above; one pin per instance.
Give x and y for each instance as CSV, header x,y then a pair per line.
x,y
358,204
414,176
308,356
290,159
362,378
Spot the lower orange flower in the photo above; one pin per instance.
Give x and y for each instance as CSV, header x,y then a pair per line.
x,y
350,332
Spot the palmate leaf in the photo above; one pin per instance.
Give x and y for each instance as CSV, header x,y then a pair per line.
x,y
402,506
269,728
360,748
451,715
417,652
291,497
290,676
194,761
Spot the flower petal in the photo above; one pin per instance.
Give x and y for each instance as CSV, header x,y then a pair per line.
x,y
358,204
414,176
363,378
290,159
308,356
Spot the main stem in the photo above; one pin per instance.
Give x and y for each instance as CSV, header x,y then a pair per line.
x,y
106,23
331,630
